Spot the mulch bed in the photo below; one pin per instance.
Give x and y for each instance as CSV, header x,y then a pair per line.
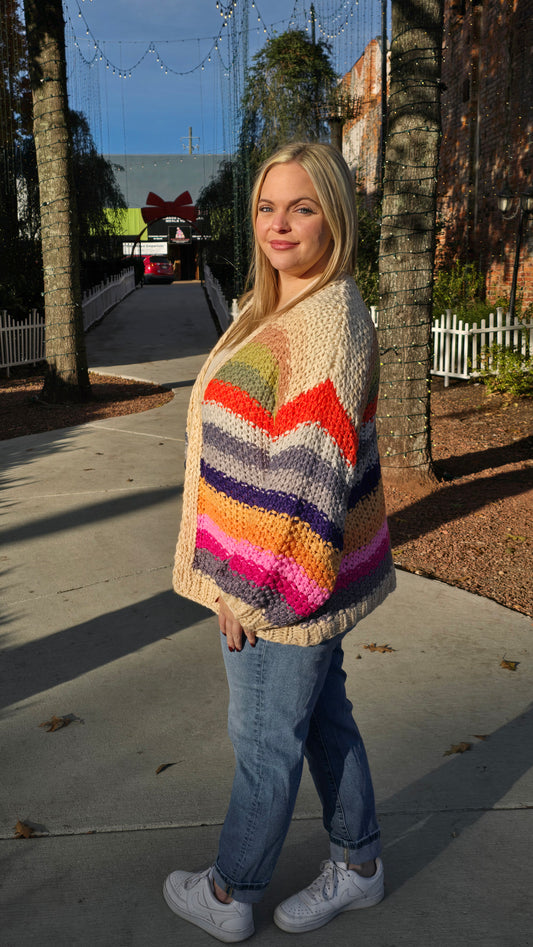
x,y
473,529
22,411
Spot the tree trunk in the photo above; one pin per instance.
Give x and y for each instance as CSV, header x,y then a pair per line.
x,y
407,244
67,374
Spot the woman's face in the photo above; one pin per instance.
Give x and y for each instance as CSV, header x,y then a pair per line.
x,y
290,226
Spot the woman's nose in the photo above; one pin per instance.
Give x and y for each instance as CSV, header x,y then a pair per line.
x,y
280,222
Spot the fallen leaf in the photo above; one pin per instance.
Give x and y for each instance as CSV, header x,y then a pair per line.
x,y
56,723
481,736
22,830
382,648
163,767
458,748
509,665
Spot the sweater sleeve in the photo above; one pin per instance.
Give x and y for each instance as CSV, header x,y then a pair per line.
x,y
277,474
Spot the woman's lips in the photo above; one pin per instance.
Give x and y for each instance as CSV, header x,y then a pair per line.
x,y
282,245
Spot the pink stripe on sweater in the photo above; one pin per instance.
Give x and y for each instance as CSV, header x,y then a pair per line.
x,y
262,567
365,560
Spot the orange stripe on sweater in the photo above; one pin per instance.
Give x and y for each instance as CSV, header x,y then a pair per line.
x,y
271,531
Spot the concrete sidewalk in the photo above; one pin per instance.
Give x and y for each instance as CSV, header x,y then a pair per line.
x,y
92,629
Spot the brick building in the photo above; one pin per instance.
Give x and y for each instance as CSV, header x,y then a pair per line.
x,y
487,121
361,143
487,117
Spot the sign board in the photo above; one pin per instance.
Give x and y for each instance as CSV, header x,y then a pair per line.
x,y
145,248
179,233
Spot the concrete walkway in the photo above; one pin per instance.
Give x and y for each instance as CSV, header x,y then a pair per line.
x,y
91,629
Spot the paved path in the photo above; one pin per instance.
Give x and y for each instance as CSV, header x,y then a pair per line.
x,y
91,628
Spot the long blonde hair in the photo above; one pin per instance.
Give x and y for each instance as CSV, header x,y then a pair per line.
x,y
334,185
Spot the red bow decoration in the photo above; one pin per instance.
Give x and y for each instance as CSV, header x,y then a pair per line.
x,y
181,207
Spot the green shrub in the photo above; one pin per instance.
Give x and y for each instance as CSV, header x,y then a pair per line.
x,y
458,289
509,373
367,279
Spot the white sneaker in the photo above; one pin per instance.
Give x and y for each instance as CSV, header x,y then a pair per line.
x,y
191,895
336,889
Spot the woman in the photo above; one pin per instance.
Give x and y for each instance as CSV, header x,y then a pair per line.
x,y
284,536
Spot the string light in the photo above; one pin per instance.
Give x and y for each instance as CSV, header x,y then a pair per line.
x,y
332,25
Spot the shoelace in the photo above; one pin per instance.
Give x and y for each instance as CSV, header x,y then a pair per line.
x,y
325,886
196,879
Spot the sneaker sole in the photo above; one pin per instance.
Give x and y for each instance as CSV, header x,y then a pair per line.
x,y
287,924
226,936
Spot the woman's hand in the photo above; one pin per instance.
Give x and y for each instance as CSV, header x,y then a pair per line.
x,y
232,628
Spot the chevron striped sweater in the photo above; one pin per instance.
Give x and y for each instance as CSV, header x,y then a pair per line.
x,y
283,507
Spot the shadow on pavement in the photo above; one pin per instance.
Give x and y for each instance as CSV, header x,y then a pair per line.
x,y
114,507
36,666
431,813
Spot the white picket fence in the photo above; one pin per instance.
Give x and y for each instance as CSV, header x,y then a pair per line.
x,y
461,350
22,343
101,298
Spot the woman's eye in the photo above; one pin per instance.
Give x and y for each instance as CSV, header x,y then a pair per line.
x,y
265,207
304,210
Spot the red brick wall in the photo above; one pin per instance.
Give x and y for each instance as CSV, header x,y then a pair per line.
x,y
361,145
487,116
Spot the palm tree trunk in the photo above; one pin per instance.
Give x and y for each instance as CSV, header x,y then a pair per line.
x,y
67,373
407,245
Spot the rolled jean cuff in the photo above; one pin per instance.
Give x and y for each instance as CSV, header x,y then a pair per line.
x,y
247,893
365,850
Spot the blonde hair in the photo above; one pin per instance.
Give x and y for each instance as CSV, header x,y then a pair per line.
x,y
334,186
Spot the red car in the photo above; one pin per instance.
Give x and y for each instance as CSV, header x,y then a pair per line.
x,y
158,269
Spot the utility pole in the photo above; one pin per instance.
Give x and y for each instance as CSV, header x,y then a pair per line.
x,y
187,142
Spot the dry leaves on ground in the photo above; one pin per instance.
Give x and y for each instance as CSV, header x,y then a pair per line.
x,y
458,748
57,723
381,648
163,767
23,830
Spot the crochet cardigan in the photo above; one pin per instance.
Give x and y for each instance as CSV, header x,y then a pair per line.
x,y
283,507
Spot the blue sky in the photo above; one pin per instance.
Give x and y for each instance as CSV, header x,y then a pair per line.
x,y
164,44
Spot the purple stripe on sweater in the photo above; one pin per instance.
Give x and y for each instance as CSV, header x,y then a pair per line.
x,y
275,501
233,446
274,608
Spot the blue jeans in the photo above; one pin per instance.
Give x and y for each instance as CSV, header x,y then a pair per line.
x,y
288,701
